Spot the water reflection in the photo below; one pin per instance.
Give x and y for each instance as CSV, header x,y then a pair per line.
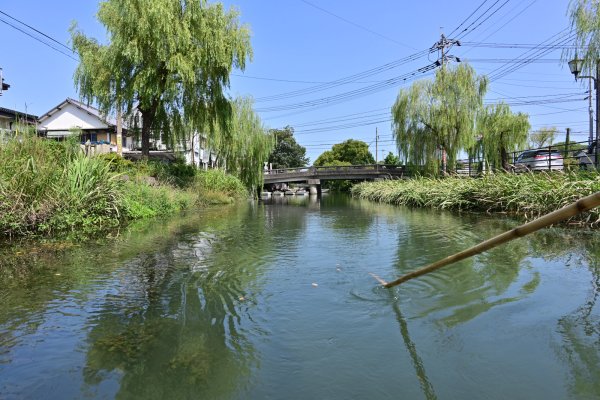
x,y
221,305
417,362
175,332
580,334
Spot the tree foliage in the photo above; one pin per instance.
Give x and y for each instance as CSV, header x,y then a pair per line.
x,y
244,144
502,132
584,16
287,152
391,159
354,152
438,115
169,58
543,137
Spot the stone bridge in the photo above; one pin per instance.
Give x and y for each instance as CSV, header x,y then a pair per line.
x,y
314,175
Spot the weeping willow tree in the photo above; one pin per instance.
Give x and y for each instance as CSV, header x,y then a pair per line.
x,y
584,16
170,59
502,131
437,117
244,144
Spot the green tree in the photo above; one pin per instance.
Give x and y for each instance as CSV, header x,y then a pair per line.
x,y
354,152
543,137
391,159
169,58
584,16
502,131
438,115
287,152
245,145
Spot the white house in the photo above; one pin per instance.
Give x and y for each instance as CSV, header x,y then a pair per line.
x,y
74,117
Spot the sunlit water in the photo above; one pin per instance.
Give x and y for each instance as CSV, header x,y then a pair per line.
x,y
275,301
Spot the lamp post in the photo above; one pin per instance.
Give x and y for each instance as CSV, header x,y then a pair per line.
x,y
575,66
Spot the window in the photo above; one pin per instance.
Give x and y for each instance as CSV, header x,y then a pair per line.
x,y
92,137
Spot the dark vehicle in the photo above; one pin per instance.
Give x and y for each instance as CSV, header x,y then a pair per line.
x,y
587,158
539,160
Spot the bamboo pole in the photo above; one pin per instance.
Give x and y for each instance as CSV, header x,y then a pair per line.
x,y
582,205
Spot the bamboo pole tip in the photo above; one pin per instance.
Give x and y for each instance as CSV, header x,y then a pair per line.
x,y
378,279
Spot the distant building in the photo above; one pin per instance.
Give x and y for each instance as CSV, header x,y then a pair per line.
x,y
3,86
10,120
72,117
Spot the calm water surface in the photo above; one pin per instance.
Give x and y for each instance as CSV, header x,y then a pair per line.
x,y
274,301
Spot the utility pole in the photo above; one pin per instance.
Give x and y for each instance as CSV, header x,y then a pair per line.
x,y
567,143
442,46
119,131
597,119
376,147
576,66
591,138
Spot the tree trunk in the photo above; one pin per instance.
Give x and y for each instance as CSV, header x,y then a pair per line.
x,y
147,124
504,158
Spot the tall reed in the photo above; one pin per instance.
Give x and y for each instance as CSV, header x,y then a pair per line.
x,y
526,195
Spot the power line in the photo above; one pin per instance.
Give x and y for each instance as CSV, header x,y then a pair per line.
x,y
262,78
38,39
509,21
356,25
466,19
335,99
514,45
466,31
512,60
538,51
342,81
34,29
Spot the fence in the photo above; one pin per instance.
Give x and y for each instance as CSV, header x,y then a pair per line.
x,y
562,157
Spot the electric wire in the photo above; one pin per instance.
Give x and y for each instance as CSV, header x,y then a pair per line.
x,y
38,39
335,99
466,19
345,80
355,24
36,30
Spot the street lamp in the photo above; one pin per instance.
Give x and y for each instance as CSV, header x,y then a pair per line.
x,y
576,66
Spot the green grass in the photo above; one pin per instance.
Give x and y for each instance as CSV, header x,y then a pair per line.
x,y
49,187
525,195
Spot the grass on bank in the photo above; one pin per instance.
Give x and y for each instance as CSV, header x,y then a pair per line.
x,y
48,187
527,195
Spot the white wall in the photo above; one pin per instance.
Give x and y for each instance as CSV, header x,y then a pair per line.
x,y
72,117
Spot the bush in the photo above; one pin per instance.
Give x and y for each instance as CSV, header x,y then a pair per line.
x,y
527,195
48,186
207,183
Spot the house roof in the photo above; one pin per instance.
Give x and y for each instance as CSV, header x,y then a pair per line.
x,y
13,114
84,107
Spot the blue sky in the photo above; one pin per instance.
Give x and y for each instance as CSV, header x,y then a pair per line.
x,y
304,44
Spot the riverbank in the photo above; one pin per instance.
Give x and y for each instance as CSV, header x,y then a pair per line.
x,y
526,196
48,187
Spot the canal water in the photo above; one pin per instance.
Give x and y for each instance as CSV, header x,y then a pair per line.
x,y
274,301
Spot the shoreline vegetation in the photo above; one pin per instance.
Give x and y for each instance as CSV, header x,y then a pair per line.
x,y
52,188
525,196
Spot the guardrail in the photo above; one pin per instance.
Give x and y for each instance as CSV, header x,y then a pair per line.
x,y
563,157
337,168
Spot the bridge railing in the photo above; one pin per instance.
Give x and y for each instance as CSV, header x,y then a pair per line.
x,y
336,168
